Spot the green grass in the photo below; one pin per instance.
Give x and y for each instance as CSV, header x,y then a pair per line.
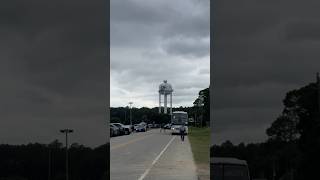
x,y
200,144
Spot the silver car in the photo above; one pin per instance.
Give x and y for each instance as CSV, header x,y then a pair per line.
x,y
114,130
124,129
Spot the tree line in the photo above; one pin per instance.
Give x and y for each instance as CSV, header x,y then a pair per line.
x,y
47,161
199,112
292,150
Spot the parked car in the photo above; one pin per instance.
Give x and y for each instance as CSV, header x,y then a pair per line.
x,y
111,132
140,128
167,126
125,129
121,129
129,128
135,126
114,130
156,126
150,125
144,125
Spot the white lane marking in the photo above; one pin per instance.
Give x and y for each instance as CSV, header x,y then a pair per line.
x,y
155,160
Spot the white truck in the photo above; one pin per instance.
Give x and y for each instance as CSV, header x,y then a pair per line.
x,y
179,118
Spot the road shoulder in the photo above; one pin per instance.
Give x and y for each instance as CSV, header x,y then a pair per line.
x,y
176,163
200,141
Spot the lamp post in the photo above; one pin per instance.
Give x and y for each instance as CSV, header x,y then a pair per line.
x,y
318,89
49,163
130,105
66,131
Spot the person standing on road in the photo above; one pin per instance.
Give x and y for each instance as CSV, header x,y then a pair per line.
x,y
182,131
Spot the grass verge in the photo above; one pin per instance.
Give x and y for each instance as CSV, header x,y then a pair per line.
x,y
200,144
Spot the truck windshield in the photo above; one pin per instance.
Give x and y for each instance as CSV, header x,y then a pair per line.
x,y
230,172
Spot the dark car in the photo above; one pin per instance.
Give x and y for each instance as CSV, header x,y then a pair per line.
x,y
140,128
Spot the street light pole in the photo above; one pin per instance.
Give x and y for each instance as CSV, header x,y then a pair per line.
x,y
66,131
318,91
130,103
49,164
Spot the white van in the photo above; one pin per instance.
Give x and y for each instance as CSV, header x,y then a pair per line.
x,y
179,118
227,168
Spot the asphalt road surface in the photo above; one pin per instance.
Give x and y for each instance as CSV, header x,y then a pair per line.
x,y
151,155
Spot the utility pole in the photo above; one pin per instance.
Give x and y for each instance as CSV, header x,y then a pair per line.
x,y
130,103
66,131
49,165
318,90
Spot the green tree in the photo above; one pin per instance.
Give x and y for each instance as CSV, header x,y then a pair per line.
x,y
202,106
300,121
284,128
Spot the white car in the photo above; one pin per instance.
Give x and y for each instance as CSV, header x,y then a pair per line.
x,y
129,127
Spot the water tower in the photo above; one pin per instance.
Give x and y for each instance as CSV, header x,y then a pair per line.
x,y
165,89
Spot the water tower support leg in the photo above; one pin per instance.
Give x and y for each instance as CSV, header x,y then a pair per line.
x,y
165,103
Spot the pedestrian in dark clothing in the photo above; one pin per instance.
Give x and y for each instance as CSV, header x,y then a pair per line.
x,y
182,131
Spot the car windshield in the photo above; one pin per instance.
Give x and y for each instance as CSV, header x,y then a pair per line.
x,y
230,172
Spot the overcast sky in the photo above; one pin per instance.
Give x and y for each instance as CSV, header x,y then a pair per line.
x,y
53,71
262,50
156,40
53,62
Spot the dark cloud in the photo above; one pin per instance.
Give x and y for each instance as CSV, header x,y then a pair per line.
x,y
53,62
262,49
188,48
303,31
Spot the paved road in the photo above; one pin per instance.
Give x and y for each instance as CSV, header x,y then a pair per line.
x,y
151,155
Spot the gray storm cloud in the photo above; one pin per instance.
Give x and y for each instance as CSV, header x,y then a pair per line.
x,y
53,57
262,49
156,40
